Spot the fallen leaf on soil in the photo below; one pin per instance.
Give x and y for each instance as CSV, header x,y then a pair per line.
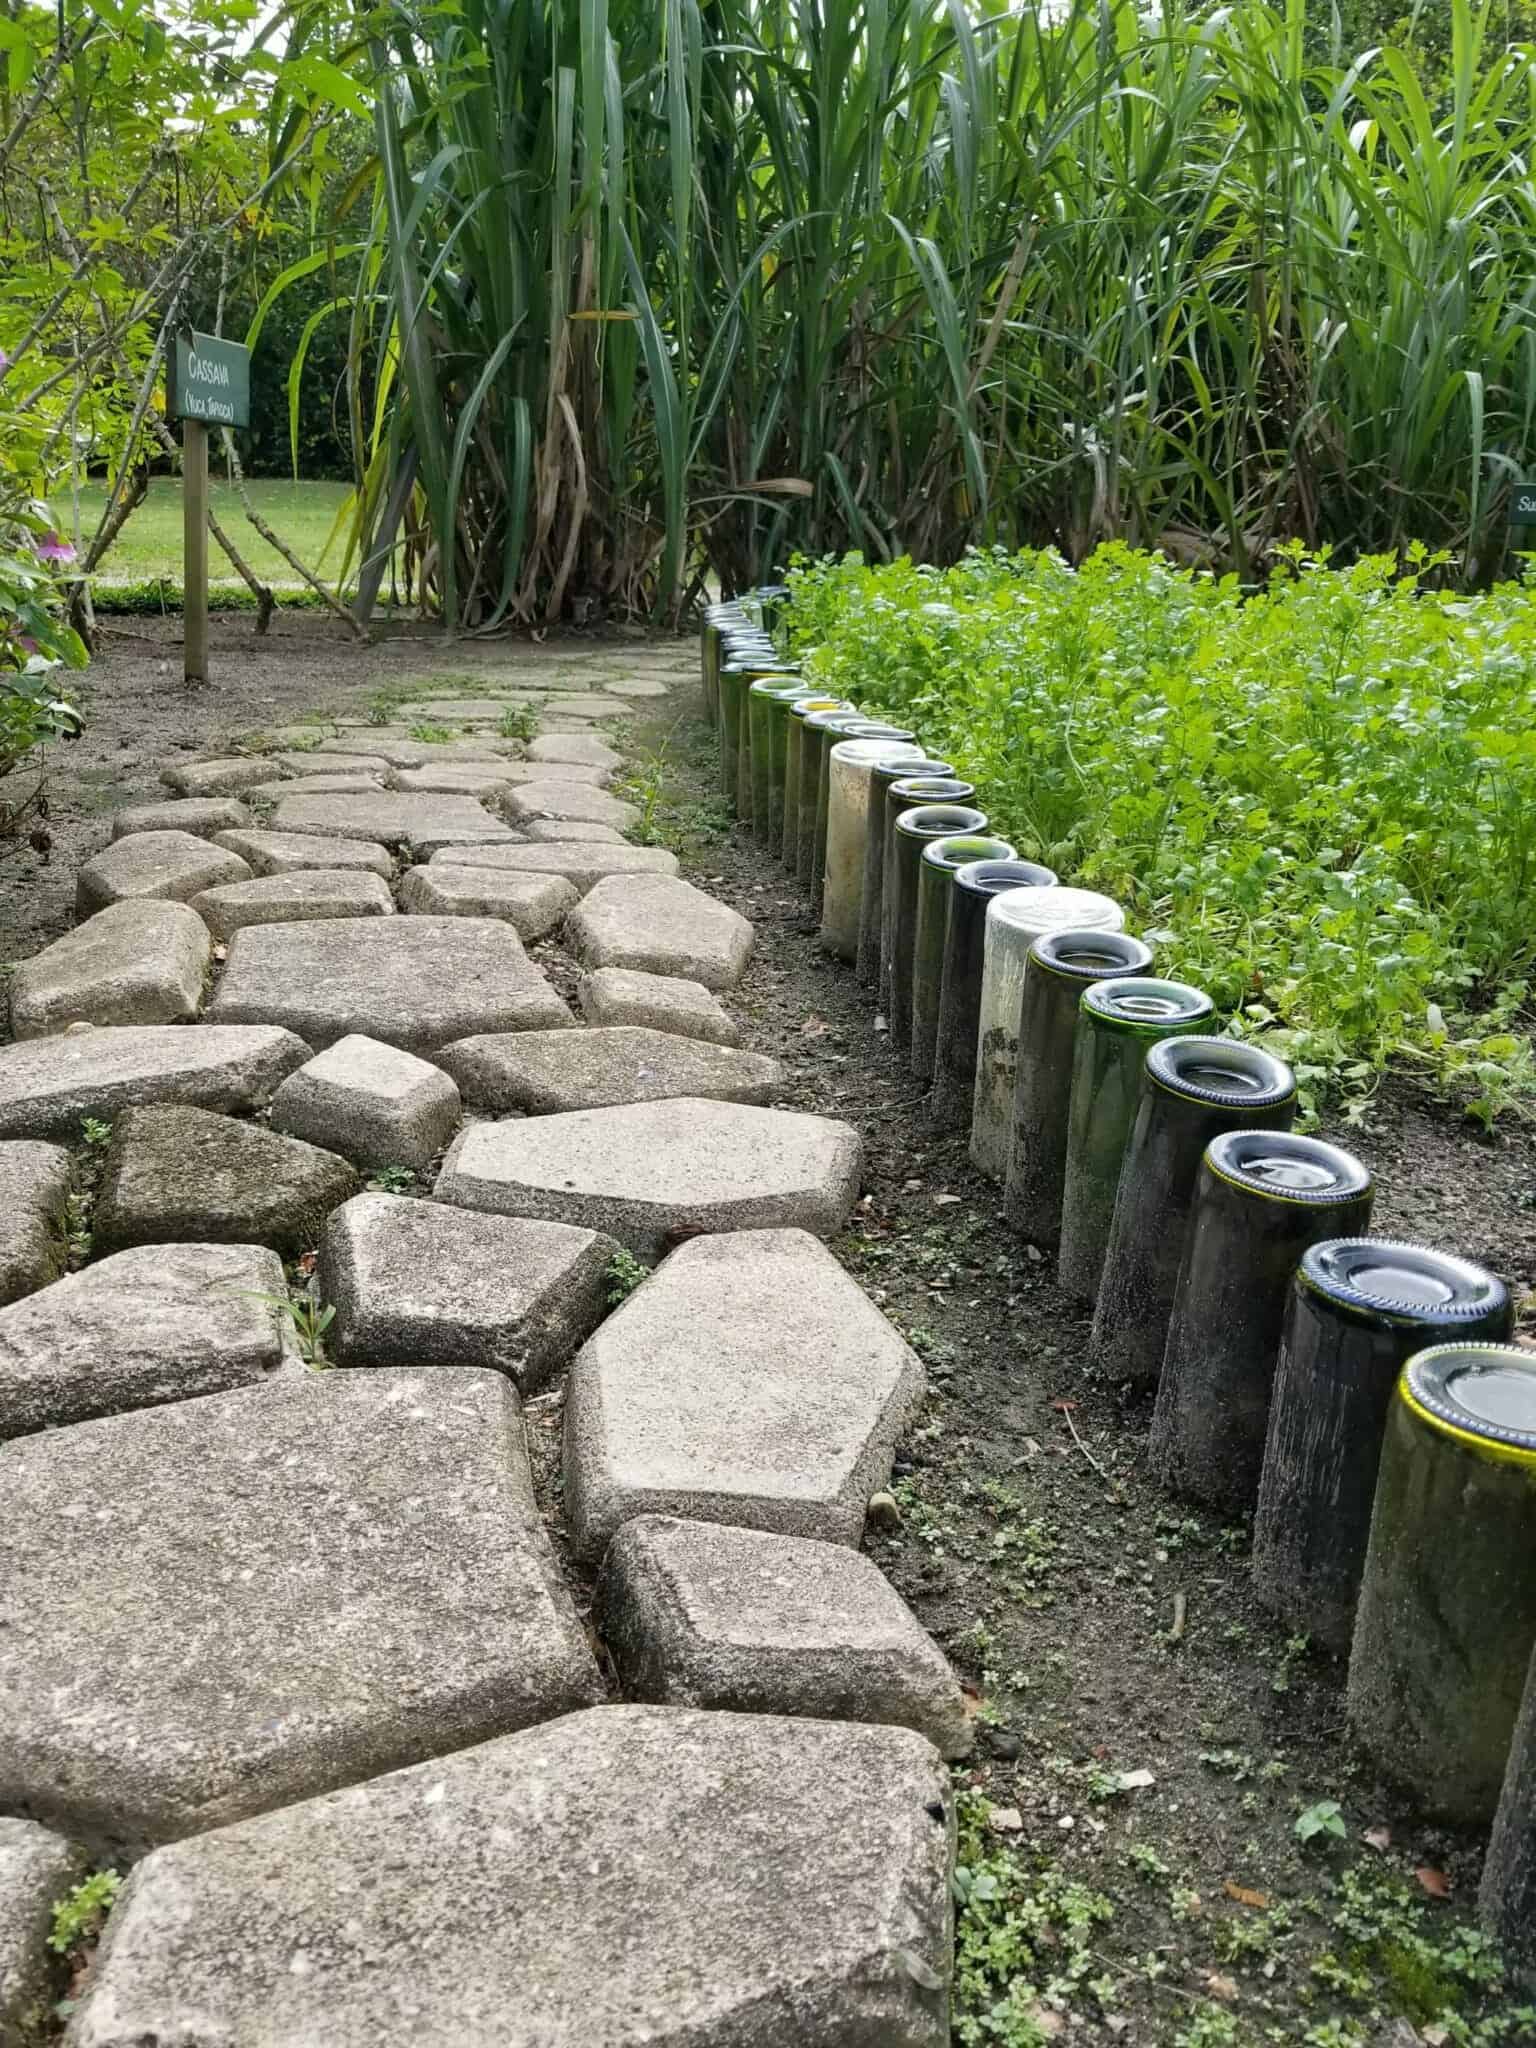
x,y
1046,2022
814,1027
1245,1897
1006,1820
1134,1781
1435,1882
308,1262
1220,1986
1065,1407
1435,2037
1378,1838
944,1201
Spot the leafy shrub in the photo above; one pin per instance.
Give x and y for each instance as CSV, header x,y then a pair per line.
x,y
1318,801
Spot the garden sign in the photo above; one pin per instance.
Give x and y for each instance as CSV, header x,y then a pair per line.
x,y
210,382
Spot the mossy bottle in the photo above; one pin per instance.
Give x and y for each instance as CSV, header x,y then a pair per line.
x,y
1061,966
800,709
852,763
1262,1199
768,701
1447,1618
815,728
1359,1308
1120,1023
1014,922
950,817
858,729
935,876
908,792
718,618
1191,1089
972,888
738,672
872,894
1506,1901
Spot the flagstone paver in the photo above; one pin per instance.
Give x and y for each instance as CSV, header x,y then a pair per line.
x,y
556,799
466,710
544,1072
291,1588
531,904
225,776
137,962
47,1085
394,818
174,865
203,816
34,1190
399,750
416,982
37,1869
458,778
650,1171
661,925
695,1615
581,709
641,1877
189,1175
156,1323
556,831
313,762
418,1283
343,782
664,1002
582,862
287,853
748,1381
636,686
297,897
583,748
372,1103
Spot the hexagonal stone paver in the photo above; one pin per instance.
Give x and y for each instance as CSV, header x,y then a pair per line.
x,y
636,686
583,708
174,1174
294,898
665,1002
750,1381
458,778
531,904
313,762
416,982
337,782
416,1283
48,1084
401,751
201,816
654,1170
226,776
696,1615
661,924
287,853
580,747
37,1869
570,800
395,818
154,1324
465,710
169,864
582,863
555,831
132,963
291,1588
740,1882
372,1103
544,1072
34,1193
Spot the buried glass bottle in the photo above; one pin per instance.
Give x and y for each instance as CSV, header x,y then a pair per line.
x,y
946,818
814,730
1447,1617
1014,922
768,702
941,858
738,672
1262,1198
853,761
1359,1308
718,619
794,734
1061,966
1506,1900
905,794
1120,1023
861,729
872,892
965,939
1191,1090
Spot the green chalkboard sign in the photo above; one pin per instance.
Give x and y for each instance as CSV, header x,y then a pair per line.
x,y
1522,505
210,380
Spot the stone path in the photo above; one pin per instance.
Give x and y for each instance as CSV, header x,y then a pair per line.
x,y
393,1755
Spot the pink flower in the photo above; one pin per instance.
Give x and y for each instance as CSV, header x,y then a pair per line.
x,y
53,548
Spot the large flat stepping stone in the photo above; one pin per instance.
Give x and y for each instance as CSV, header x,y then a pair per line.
x,y
579,747
314,762
651,1171
748,1381
395,818
636,686
291,1588
458,778
226,776
582,774
582,863
372,1103
154,1324
664,1002
465,710
416,982
174,865
641,1877
696,1615
37,1869
417,1283
531,904
399,750
661,924
544,1072
47,1085
133,963
34,1195
287,853
555,831
570,800
305,894
586,708
201,816
174,1174
339,782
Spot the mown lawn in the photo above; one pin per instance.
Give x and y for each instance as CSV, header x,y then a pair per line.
x,y
149,545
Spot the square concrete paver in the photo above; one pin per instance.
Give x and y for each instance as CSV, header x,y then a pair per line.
x,y
664,1002
531,904
372,1103
660,924
139,962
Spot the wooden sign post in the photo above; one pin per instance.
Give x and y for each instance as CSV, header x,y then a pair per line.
x,y
210,380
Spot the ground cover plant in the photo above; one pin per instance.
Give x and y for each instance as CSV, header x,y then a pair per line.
x,y
1319,801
